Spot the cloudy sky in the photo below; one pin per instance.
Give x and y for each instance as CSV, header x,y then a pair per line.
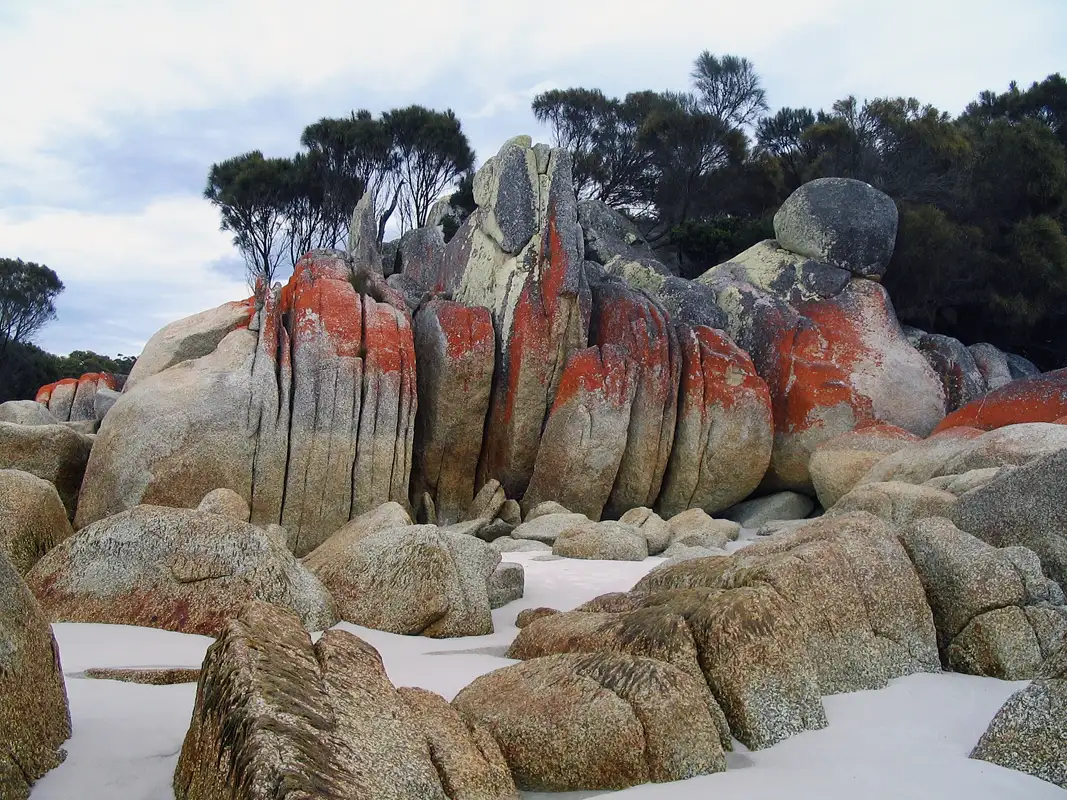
x,y
112,112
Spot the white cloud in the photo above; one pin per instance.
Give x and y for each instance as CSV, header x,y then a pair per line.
x,y
126,275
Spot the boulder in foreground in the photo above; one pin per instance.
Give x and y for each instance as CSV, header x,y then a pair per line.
x,y
627,721
34,718
174,568
276,716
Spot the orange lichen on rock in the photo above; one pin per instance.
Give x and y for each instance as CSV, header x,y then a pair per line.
x,y
725,431
1042,398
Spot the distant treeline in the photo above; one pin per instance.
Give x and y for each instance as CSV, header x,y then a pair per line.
x,y
24,368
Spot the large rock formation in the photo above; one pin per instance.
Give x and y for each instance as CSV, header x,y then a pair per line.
x,y
521,253
454,347
34,718
725,431
963,382
838,464
833,607
830,349
275,713
585,437
26,412
74,399
176,569
32,518
841,222
635,323
627,721
309,417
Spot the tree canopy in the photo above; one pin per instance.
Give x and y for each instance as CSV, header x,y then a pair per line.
x,y
280,208
981,250
27,299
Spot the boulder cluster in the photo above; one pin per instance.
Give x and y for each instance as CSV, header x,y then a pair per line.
x,y
840,502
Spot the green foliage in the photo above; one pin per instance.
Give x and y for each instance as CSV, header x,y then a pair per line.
x,y
25,368
981,252
251,193
27,299
431,152
729,88
280,208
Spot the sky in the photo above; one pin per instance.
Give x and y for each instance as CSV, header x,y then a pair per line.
x,y
112,112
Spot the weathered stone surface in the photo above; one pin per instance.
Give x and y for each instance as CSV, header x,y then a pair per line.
x,y
362,244
778,506
51,452
506,544
545,508
59,397
830,349
956,451
694,528
148,676
725,431
834,606
310,417
687,302
528,615
412,580
521,257
585,436
652,721
960,484
487,503
510,512
83,407
954,363
454,349
34,718
837,465
635,323
897,502
842,222
978,594
1023,506
467,759
225,502
1021,367
180,435
173,568
1029,733
1042,398
419,257
32,518
652,526
506,584
189,338
609,541
103,400
651,632
993,364
609,234
272,710
26,412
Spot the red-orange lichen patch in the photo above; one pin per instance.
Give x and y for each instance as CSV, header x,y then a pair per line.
x,y
1042,398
